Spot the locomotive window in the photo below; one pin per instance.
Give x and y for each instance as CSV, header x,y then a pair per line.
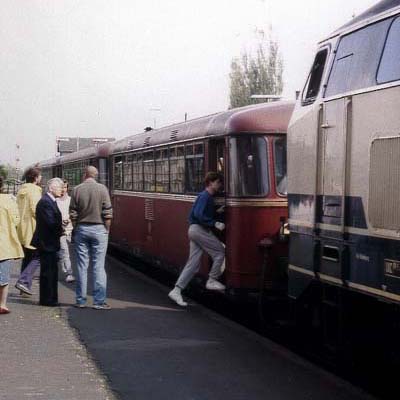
x,y
162,171
177,169
194,167
357,59
389,68
314,80
118,172
248,166
149,171
280,166
137,173
127,167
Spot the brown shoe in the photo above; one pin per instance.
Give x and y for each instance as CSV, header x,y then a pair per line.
x,y
4,310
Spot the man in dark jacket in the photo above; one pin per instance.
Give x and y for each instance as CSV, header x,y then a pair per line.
x,y
201,219
47,240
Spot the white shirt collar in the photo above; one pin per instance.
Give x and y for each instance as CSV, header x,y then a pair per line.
x,y
51,196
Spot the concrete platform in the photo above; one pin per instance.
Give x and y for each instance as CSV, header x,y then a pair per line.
x,y
148,348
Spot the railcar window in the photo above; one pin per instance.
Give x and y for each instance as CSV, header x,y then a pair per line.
x,y
194,167
47,174
177,169
314,80
118,172
127,167
73,172
149,171
248,166
389,68
162,171
137,172
280,166
357,59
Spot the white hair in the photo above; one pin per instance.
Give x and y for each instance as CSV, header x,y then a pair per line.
x,y
54,181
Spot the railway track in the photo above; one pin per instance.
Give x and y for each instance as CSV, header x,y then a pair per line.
x,y
360,372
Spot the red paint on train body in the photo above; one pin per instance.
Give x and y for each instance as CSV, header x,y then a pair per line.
x,y
154,178
154,225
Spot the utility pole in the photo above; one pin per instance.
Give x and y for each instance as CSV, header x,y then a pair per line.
x,y
155,109
17,160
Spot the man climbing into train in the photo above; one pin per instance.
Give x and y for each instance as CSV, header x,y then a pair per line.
x,y
202,219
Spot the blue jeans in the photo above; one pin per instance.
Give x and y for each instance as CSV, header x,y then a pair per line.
x,y
91,244
5,267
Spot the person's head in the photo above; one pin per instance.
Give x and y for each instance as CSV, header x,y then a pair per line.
x,y
33,175
55,187
65,187
213,182
91,172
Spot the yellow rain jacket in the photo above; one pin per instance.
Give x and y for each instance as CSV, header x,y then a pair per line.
x,y
27,198
10,246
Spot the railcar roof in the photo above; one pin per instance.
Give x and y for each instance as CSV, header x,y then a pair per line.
x,y
261,118
84,154
381,8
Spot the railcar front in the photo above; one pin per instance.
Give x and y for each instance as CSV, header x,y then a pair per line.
x,y
156,177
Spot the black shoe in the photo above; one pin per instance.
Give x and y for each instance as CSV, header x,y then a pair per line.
x,y
50,304
23,288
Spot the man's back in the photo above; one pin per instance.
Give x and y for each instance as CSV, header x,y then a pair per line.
x,y
90,203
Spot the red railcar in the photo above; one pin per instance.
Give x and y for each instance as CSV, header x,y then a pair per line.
x,y
154,178
156,175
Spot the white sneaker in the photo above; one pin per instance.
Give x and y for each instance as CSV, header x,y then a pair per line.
x,y
213,284
70,278
176,296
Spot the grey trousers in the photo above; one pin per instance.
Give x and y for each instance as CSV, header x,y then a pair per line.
x,y
201,240
64,260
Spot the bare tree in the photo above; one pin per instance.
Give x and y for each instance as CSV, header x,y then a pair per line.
x,y
257,73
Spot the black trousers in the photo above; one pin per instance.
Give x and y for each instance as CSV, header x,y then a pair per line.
x,y
48,278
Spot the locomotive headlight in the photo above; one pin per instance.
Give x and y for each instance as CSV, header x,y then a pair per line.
x,y
284,231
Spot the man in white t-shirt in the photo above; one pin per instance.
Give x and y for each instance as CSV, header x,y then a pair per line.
x,y
64,259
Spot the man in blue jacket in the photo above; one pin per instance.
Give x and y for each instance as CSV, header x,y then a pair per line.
x,y
202,218
47,240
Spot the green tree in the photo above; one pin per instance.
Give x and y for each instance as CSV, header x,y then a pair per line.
x,y
256,73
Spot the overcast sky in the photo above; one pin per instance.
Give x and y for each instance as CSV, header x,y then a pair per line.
x,y
98,67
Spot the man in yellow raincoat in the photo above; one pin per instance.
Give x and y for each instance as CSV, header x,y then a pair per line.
x,y
27,198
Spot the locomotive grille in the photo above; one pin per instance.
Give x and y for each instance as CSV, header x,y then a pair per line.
x,y
384,184
149,210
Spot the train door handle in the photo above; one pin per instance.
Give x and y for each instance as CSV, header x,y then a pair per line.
x,y
326,126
